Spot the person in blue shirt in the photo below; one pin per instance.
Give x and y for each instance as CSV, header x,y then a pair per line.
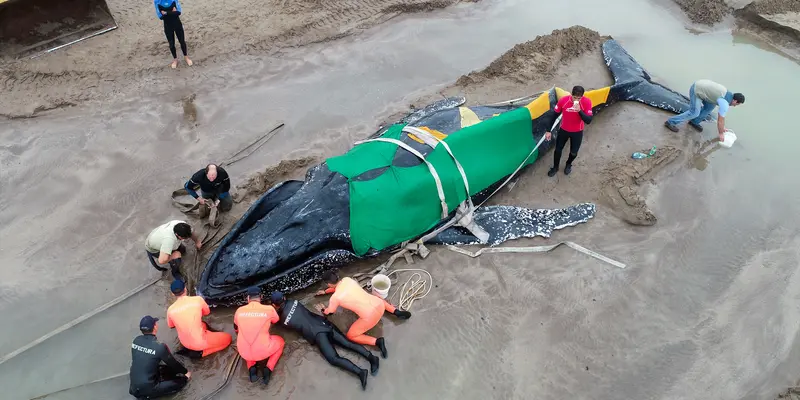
x,y
169,11
704,96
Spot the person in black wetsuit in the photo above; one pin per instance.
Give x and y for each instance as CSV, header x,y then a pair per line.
x,y
318,330
149,378
169,11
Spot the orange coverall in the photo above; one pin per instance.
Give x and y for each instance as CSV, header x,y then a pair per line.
x,y
252,322
186,315
369,308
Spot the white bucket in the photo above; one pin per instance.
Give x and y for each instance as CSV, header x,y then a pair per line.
x,y
383,284
730,137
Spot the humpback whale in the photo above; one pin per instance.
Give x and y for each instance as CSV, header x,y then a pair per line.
x,y
406,180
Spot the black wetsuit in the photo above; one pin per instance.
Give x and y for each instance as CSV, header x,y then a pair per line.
x,y
318,330
173,27
149,378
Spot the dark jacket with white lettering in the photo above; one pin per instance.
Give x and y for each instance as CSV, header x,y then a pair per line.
x,y
146,354
296,316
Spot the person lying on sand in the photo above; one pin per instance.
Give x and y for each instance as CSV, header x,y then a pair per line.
x,y
214,184
704,96
318,330
149,378
169,11
575,110
253,340
351,296
164,242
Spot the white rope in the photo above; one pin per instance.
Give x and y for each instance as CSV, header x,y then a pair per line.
x,y
522,164
536,249
431,168
413,289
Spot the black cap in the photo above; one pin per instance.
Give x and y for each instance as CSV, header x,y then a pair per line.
x,y
177,286
253,291
147,324
276,298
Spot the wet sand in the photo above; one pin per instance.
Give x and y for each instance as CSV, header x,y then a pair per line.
x,y
134,59
775,22
696,307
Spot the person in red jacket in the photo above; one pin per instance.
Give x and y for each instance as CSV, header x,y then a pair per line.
x,y
253,340
575,110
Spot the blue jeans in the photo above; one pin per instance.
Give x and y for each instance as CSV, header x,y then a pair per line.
x,y
697,112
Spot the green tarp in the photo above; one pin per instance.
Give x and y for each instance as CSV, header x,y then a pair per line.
x,y
403,203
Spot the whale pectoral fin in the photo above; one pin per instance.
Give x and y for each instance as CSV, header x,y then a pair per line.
x,y
433,108
505,223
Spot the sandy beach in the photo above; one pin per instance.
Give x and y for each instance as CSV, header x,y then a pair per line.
x,y
96,137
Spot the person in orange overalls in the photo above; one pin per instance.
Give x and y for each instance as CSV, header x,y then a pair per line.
x,y
350,295
186,315
255,344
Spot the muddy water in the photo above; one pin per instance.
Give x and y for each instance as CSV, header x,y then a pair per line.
x,y
705,308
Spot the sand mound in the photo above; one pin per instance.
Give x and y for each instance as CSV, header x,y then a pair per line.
x,y
775,6
538,58
707,12
621,181
259,183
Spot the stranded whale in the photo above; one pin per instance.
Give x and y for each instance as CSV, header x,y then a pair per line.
x,y
406,180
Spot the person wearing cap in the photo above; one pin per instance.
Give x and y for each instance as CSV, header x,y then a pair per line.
x,y
214,184
253,340
186,315
164,243
318,330
369,308
149,378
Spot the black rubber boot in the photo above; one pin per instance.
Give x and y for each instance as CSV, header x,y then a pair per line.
x,y
253,373
670,126
363,376
382,345
552,172
698,127
192,354
374,364
267,375
568,169
402,314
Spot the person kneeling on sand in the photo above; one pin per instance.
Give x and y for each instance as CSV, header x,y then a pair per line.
x,y
253,340
214,184
316,329
704,96
575,110
149,378
169,11
186,315
351,296
164,242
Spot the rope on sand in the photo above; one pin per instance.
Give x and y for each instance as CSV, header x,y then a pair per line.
x,y
78,320
414,288
228,375
536,249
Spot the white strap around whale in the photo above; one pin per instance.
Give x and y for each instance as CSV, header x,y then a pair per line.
x,y
466,208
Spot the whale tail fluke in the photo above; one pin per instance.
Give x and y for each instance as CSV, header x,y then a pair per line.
x,y
633,83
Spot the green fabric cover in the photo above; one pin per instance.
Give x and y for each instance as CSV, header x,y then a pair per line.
x,y
402,203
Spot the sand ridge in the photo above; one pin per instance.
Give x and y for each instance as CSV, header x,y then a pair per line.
x,y
134,58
